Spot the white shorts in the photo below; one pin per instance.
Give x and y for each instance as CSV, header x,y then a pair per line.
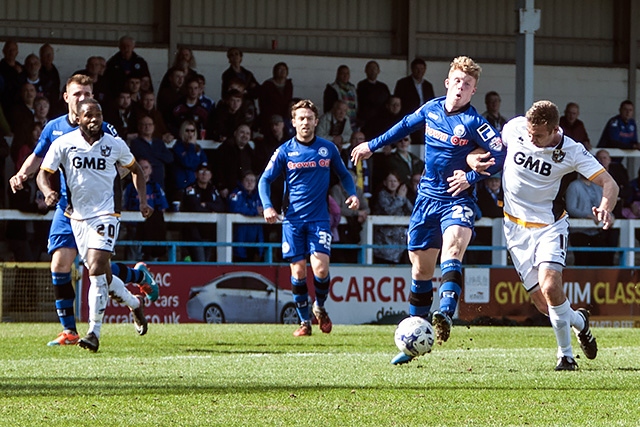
x,y
99,233
529,247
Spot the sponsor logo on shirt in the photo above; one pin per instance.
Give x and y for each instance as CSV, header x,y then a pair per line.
x,y
433,116
486,132
538,166
57,132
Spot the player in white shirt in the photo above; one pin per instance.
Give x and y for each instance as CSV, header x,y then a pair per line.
x,y
536,225
88,158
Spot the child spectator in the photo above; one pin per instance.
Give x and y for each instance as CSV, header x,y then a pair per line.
x,y
245,200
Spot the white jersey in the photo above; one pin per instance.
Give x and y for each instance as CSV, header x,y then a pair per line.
x,y
531,176
90,173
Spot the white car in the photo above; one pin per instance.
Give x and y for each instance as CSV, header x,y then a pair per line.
x,y
241,297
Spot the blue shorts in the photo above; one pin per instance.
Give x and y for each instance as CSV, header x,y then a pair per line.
x,y
60,233
305,237
431,217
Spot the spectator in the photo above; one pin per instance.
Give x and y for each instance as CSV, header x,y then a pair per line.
x,y
342,90
123,63
490,202
276,95
145,146
23,111
26,239
234,158
168,97
246,201
31,73
202,196
404,163
412,191
189,108
349,232
23,145
391,200
50,79
10,70
95,68
187,156
619,174
147,107
226,118
122,116
620,131
492,101
183,60
132,85
274,137
414,91
205,101
335,125
153,228
582,195
237,71
572,126
385,119
41,109
5,128
372,95
362,171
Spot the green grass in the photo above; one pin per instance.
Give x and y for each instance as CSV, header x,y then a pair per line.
x,y
260,375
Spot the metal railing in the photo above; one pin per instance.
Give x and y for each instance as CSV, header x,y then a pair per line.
x,y
225,222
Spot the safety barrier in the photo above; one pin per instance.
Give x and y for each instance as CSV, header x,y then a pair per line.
x,y
225,221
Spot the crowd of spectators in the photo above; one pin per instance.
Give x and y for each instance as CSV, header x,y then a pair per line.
x,y
164,128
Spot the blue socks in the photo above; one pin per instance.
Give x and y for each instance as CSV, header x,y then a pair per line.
x,y
420,297
451,286
65,299
301,298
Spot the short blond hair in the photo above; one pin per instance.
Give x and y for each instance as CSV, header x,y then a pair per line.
x,y
467,66
544,113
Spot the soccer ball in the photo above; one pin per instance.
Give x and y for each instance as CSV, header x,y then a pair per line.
x,y
414,336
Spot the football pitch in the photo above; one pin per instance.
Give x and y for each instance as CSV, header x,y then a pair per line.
x,y
260,375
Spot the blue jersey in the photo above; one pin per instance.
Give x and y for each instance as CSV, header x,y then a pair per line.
x,y
307,169
449,137
54,129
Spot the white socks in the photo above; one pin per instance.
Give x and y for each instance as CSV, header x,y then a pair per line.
x,y
562,318
119,291
98,297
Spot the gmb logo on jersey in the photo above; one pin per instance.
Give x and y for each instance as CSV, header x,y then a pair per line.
x,y
323,151
89,163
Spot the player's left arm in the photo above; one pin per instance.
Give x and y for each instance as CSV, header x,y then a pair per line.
x,y
141,186
610,192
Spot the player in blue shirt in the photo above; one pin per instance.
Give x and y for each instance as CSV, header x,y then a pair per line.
x,y
306,162
443,215
61,244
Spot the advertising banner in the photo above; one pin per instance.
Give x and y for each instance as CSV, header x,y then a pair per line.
x,y
368,294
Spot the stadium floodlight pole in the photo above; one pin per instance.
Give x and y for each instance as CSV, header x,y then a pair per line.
x,y
529,22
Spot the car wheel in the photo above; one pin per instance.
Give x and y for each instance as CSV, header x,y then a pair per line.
x,y
289,315
213,314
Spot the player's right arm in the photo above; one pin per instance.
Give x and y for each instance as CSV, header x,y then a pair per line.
x,y
27,170
275,165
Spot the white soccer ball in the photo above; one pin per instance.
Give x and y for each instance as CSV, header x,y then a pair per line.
x,y
414,336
